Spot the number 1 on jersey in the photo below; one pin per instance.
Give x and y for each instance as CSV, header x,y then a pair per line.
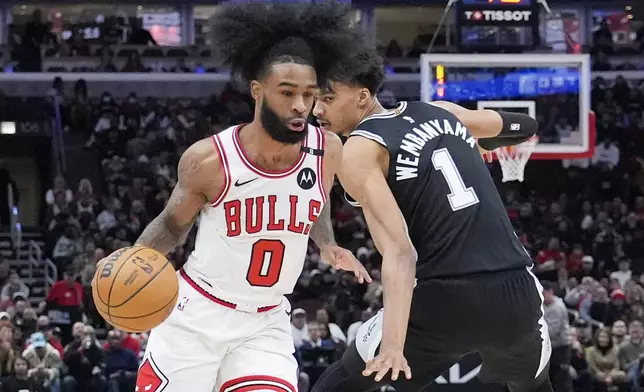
x,y
459,197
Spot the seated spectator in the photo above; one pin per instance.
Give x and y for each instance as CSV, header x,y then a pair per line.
x,y
630,351
322,317
60,188
317,353
46,328
13,286
619,333
23,379
604,363
8,354
44,360
624,273
606,155
83,358
299,327
548,259
127,342
64,303
120,364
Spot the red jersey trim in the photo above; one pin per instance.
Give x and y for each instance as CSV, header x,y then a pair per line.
x,y
257,382
227,177
214,299
264,172
320,158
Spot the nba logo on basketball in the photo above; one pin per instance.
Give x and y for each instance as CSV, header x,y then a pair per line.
x,y
182,304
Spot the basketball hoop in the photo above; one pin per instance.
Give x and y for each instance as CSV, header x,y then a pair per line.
x,y
513,159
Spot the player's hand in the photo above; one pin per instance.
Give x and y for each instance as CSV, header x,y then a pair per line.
x,y
386,360
342,259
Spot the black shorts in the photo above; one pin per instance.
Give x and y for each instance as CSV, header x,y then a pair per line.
x,y
499,315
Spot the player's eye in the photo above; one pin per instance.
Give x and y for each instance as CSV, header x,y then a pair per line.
x,y
287,93
327,99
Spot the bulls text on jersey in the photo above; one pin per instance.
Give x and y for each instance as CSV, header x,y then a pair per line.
x,y
414,141
247,216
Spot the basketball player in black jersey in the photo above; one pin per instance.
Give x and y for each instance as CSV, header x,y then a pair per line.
x,y
456,278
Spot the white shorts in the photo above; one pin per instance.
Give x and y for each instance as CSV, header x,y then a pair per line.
x,y
207,347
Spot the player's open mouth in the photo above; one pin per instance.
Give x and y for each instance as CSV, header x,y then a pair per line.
x,y
296,125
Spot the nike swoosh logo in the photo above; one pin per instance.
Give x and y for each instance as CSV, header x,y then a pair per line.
x,y
237,183
288,313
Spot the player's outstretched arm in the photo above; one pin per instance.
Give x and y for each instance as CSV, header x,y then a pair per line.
x,y
199,172
362,176
496,128
322,231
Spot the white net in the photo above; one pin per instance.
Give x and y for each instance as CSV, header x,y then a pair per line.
x,y
513,159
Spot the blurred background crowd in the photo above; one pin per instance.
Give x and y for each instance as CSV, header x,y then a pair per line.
x,y
115,166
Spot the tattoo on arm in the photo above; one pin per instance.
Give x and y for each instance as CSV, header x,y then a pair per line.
x,y
170,229
322,230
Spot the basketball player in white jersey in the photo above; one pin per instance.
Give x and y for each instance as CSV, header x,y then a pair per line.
x,y
260,189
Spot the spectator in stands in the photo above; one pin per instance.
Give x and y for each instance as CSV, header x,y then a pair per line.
x,y
106,64
64,303
630,351
13,286
604,363
23,379
83,357
606,155
300,328
7,352
46,328
619,332
60,188
127,342
120,364
44,361
624,273
67,246
335,332
317,353
548,259
556,317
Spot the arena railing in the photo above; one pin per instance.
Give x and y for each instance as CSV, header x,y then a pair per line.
x,y
178,85
15,226
36,261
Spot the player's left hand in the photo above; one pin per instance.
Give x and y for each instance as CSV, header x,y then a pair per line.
x,y
342,259
386,360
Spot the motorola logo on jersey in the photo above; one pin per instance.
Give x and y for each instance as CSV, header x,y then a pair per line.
x,y
498,16
306,178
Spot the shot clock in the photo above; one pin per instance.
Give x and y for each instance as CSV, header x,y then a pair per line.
x,y
497,25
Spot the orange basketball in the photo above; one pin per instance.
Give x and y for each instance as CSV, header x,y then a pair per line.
x,y
135,288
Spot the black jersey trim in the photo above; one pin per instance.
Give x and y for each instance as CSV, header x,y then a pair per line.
x,y
402,106
368,135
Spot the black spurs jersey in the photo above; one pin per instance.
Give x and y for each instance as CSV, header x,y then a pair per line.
x,y
456,219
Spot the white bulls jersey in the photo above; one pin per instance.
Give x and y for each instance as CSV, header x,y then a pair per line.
x,y
253,238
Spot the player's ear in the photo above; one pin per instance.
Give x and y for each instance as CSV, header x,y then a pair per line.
x,y
364,96
255,90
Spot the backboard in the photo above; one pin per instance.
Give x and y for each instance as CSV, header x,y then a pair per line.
x,y
553,88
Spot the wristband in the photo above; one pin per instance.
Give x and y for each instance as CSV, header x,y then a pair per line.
x,y
517,128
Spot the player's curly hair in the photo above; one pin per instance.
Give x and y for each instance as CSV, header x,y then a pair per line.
x,y
365,69
252,36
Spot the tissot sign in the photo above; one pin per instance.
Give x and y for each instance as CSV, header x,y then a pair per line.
x,y
497,24
506,16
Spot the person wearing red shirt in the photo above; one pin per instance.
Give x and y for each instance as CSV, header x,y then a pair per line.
x,y
549,260
64,304
128,342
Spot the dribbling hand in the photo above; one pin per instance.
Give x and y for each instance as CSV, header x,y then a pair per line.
x,y
386,360
342,259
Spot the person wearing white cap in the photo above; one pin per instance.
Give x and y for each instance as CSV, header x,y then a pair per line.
x,y
299,327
